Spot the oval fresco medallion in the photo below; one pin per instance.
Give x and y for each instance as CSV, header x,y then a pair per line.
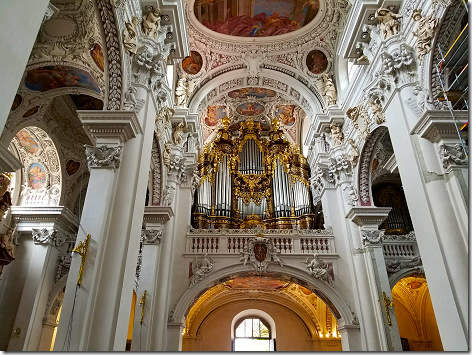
x,y
285,114
214,115
16,102
31,111
27,141
250,109
193,63
37,176
53,77
260,93
97,56
316,61
256,18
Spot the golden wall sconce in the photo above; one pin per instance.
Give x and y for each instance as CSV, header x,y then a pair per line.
x,y
81,249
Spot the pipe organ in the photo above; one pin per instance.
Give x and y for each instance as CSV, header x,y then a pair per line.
x,y
248,180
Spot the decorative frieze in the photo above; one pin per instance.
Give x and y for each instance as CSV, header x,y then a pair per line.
x,y
396,265
48,236
103,156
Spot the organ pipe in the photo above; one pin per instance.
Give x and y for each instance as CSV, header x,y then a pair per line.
x,y
247,174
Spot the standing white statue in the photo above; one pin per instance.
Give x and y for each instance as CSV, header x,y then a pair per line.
x,y
329,90
181,91
377,113
336,133
152,23
130,39
425,32
389,23
180,136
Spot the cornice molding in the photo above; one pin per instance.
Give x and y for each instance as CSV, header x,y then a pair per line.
x,y
437,125
367,216
121,125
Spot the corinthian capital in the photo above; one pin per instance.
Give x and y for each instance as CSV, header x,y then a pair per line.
x,y
151,236
48,236
372,237
103,156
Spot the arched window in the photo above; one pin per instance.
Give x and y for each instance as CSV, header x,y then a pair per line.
x,y
252,334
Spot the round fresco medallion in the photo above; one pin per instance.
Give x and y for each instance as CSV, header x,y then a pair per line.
x,y
97,56
259,18
27,141
193,63
214,115
260,93
316,61
31,111
285,114
250,109
37,176
16,102
72,167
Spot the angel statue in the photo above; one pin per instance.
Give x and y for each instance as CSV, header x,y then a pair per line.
x,y
152,23
6,242
320,269
180,136
388,22
200,268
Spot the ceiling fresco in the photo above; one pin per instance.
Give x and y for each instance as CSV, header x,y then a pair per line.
x,y
256,18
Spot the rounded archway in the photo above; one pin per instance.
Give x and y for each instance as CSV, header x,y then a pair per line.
x,y
415,314
298,309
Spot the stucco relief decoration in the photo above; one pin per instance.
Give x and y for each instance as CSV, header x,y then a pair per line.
x,y
320,269
41,178
425,32
451,155
360,118
339,170
371,237
103,157
388,22
63,266
131,103
260,252
48,236
163,123
350,195
201,267
396,265
151,236
7,243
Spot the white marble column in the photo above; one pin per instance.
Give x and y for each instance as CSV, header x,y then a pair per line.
x,y
369,219
114,191
436,216
39,282
154,219
20,21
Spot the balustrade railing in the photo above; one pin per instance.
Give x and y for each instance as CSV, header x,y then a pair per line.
x,y
234,241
